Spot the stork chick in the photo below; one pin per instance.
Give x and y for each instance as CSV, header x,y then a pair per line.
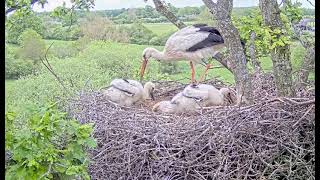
x,y
178,104
128,92
208,95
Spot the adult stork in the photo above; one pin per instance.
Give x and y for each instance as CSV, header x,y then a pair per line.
x,y
193,43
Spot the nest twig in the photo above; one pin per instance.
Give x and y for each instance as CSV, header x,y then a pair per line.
x,y
271,139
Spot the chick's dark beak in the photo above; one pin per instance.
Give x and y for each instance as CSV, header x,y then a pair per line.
x,y
143,67
152,96
229,98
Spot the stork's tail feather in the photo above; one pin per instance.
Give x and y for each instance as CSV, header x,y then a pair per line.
x,y
155,107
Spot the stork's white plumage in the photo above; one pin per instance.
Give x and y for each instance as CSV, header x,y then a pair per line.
x,y
165,107
178,104
192,98
192,43
128,92
208,95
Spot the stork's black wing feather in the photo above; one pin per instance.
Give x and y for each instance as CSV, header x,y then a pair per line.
x,y
211,40
206,28
199,25
209,29
126,81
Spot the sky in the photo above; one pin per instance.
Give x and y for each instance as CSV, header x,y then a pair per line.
x,y
118,4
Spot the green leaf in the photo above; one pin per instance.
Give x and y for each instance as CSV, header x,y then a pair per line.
x,y
280,43
91,142
73,170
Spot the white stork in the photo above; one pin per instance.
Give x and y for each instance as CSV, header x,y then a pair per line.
x,y
208,95
193,97
178,104
192,43
127,92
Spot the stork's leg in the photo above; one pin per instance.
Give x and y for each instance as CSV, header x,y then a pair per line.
x,y
192,73
205,72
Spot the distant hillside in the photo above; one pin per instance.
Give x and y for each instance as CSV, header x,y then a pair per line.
x,y
149,15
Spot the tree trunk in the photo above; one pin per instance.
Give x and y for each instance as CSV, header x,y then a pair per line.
x,y
222,13
252,50
307,65
280,55
162,8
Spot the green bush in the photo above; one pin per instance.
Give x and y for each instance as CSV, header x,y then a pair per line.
x,y
139,34
156,41
63,50
48,145
16,68
81,43
17,23
59,32
101,28
32,46
161,40
169,68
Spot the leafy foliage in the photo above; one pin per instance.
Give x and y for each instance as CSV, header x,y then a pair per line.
x,y
254,22
264,34
293,11
139,34
169,68
63,51
59,32
18,23
32,46
48,146
16,68
99,28
161,40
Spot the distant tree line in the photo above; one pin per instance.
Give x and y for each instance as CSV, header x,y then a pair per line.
x,y
148,14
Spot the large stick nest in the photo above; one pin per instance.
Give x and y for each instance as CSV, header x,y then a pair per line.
x,y
272,139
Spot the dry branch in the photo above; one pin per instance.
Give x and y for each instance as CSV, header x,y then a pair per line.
x,y
46,63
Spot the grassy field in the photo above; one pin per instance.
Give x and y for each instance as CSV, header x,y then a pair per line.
x,y
162,28
9,85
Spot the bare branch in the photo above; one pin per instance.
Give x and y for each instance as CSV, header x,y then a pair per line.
x,y
46,63
310,3
163,9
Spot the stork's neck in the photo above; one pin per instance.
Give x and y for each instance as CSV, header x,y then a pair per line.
x,y
146,93
159,55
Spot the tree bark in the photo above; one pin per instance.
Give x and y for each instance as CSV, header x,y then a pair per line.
x,y
221,11
163,9
307,65
280,55
252,51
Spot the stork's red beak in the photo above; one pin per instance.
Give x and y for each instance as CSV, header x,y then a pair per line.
x,y
143,68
